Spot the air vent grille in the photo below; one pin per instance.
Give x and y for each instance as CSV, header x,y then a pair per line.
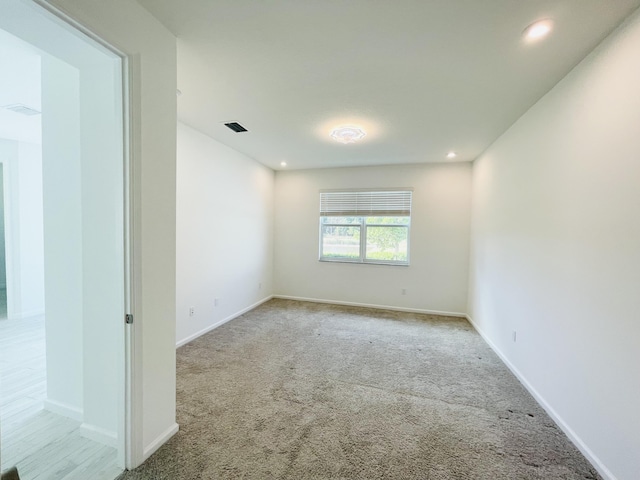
x,y
23,109
236,127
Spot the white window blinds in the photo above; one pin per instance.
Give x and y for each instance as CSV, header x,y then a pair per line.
x,y
358,203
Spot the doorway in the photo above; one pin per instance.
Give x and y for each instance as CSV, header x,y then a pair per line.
x,y
62,343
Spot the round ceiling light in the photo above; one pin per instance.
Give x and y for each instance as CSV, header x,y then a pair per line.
x,y
347,134
538,30
452,155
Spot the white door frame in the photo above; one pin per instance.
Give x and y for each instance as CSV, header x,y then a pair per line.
x,y
130,430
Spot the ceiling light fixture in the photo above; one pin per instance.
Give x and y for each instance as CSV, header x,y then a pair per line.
x,y
347,134
283,164
451,155
538,30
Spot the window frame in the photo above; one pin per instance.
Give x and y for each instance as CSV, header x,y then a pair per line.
x,y
363,226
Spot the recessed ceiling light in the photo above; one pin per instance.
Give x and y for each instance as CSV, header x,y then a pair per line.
x,y
347,134
451,155
538,30
283,164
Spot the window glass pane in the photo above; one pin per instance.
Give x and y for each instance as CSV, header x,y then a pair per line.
x,y
387,243
388,220
341,242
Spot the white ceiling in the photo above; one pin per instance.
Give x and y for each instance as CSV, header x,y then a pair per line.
x,y
422,77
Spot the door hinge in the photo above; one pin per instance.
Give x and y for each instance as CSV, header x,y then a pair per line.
x,y
128,319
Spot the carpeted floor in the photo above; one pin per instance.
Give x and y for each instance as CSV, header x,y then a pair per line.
x,y
297,390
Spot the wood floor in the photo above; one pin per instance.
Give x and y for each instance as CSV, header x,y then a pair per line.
x,y
43,445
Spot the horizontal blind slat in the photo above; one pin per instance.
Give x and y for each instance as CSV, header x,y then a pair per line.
x,y
365,204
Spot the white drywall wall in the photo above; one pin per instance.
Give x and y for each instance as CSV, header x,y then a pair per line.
x,y
22,164
556,251
31,225
83,201
436,279
224,233
3,261
62,194
102,246
9,157
152,48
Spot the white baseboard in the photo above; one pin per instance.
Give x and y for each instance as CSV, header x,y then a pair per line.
x,y
99,435
63,409
577,441
190,338
368,305
215,325
26,315
159,441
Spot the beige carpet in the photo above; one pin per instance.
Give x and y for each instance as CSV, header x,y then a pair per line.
x,y
298,390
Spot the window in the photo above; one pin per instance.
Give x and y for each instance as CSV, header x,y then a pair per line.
x,y
365,226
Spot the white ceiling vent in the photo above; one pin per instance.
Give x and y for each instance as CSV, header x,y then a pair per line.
x,y
23,109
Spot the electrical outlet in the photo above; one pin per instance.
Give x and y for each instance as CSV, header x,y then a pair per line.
x,y
513,335
215,302
404,291
260,286
192,311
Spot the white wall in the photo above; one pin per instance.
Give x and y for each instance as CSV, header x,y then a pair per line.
x,y
9,152
224,233
3,260
102,246
556,251
436,279
23,227
62,193
152,48
31,246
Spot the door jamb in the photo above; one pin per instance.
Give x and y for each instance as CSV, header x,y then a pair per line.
x,y
131,443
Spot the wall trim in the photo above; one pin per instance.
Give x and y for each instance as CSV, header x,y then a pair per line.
x,y
100,435
159,441
369,305
27,315
64,409
215,325
577,441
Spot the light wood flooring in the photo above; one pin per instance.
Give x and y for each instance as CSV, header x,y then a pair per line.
x,y
43,445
